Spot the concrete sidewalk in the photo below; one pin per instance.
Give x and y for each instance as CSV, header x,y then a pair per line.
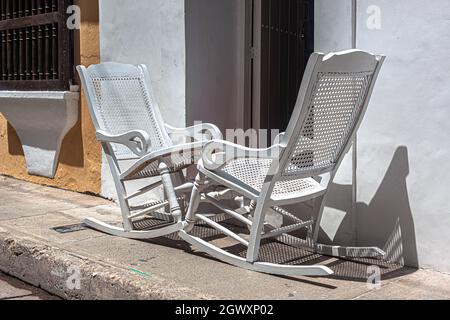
x,y
42,243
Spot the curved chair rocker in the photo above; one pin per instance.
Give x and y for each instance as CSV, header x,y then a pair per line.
x,y
299,167
131,129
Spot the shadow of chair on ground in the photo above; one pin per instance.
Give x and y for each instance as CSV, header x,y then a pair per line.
x,y
386,222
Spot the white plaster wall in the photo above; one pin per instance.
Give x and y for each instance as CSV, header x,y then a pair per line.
x,y
411,108
214,40
149,32
404,149
333,32
332,25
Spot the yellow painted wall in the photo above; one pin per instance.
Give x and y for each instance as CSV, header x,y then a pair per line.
x,y
80,160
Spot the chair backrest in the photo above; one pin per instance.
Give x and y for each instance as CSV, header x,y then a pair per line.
x,y
120,100
332,101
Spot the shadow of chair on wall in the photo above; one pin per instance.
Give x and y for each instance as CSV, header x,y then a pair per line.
x,y
386,222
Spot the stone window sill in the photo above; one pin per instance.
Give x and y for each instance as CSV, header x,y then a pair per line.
x,y
41,119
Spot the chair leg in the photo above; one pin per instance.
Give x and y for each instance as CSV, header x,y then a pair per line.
x,y
175,208
319,219
194,203
179,179
250,262
124,206
121,190
256,232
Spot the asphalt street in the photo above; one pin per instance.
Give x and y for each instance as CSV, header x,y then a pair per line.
x,y
13,289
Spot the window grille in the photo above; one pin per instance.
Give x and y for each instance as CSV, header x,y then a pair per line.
x,y
36,45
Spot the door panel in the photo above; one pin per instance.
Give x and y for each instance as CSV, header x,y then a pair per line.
x,y
286,31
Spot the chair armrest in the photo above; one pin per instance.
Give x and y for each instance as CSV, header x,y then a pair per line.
x,y
138,141
201,132
218,153
279,138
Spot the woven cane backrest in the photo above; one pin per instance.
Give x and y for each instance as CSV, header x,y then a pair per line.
x,y
122,101
331,105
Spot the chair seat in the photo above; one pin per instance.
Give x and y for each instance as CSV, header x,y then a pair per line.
x,y
250,174
148,167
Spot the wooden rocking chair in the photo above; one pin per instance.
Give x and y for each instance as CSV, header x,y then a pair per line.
x,y
131,129
299,167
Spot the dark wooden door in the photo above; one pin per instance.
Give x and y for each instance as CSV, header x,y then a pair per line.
x,y
287,40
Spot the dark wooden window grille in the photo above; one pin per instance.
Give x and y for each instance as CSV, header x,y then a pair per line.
x,y
36,45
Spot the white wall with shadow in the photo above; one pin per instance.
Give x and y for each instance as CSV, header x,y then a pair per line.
x,y
386,221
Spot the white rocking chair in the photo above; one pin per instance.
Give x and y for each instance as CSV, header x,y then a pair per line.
x,y
131,129
299,167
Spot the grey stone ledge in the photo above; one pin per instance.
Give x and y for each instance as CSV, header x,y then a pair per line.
x,y
41,119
